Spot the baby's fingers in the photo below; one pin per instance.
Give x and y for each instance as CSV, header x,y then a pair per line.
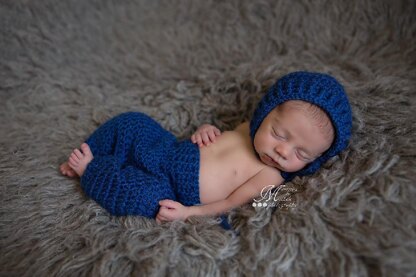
x,y
205,138
212,135
196,138
217,131
160,219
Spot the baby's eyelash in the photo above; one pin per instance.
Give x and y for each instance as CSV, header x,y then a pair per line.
x,y
303,157
276,134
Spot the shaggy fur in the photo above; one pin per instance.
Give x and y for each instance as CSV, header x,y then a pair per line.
x,y
67,66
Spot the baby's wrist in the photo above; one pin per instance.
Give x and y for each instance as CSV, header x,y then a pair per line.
x,y
188,212
191,211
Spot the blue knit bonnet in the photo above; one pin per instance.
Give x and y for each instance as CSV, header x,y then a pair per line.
x,y
319,89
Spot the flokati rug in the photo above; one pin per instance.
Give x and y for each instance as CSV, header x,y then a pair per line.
x,y
67,66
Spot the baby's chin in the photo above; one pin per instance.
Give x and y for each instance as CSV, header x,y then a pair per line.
x,y
292,170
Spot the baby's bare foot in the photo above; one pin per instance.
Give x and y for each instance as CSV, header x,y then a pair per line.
x,y
67,170
78,160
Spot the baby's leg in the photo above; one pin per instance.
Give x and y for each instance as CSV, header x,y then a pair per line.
x,y
103,141
116,136
126,190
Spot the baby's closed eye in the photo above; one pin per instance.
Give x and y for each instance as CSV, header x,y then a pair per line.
x,y
304,156
278,135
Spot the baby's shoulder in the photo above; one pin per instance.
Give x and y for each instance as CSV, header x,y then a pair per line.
x,y
243,127
238,134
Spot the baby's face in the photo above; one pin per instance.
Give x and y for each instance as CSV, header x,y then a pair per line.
x,y
289,138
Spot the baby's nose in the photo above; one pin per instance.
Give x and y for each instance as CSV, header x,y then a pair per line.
x,y
282,150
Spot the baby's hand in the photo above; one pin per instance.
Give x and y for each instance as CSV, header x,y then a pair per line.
x,y
171,210
205,135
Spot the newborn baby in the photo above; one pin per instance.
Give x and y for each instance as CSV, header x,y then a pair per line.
x,y
132,166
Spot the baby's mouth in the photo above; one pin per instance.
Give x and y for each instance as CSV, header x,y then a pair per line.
x,y
271,161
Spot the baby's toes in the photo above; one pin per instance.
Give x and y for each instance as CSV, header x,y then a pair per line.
x,y
71,173
78,154
73,162
62,169
86,149
75,157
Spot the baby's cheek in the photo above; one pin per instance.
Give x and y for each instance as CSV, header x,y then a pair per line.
x,y
257,143
296,165
265,142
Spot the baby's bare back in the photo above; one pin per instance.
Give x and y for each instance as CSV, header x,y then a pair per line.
x,y
227,164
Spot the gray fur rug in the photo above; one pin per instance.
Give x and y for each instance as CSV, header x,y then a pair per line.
x,y
67,66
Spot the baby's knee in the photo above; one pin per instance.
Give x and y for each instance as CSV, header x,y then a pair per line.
x,y
132,120
131,116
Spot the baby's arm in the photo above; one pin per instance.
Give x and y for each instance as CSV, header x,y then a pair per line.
x,y
242,195
205,135
172,210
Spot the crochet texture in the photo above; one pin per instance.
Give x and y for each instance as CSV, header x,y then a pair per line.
x,y
137,163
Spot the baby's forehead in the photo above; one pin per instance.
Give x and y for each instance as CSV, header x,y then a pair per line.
x,y
315,114
296,104
309,109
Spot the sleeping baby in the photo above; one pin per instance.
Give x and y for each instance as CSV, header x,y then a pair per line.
x,y
132,166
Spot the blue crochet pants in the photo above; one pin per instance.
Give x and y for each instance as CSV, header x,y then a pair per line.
x,y
137,163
